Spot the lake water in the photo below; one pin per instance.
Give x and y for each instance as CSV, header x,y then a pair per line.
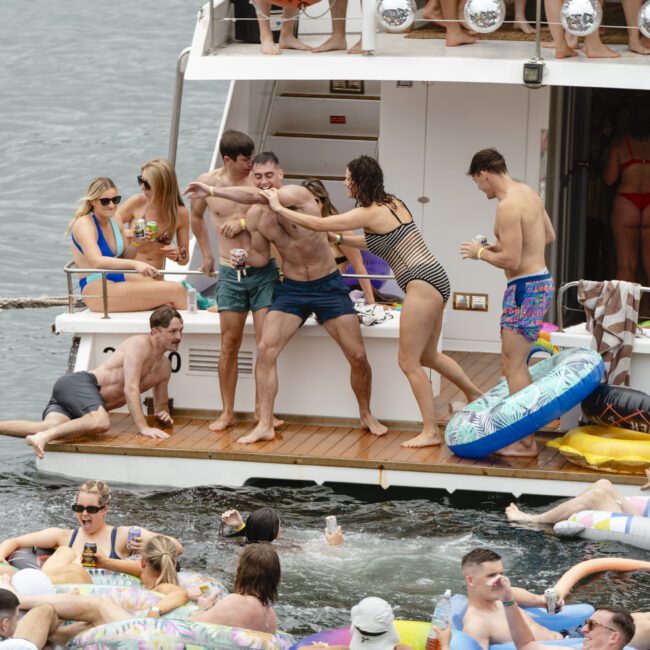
x,y
86,90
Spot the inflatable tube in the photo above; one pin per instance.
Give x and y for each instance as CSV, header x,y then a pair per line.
x,y
191,581
135,600
583,569
113,578
29,557
541,346
170,634
498,419
609,448
601,525
374,265
618,406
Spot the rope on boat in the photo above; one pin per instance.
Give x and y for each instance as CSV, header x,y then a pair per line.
x,y
36,303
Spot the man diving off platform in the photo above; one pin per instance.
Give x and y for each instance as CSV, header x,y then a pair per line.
x,y
81,401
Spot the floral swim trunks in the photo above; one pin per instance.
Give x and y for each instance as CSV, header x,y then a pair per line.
x,y
525,302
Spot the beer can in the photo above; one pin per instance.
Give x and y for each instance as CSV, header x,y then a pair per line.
x,y
552,598
330,522
204,589
139,227
151,228
238,257
88,555
133,533
481,239
192,302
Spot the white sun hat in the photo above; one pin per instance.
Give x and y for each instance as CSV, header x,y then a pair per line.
x,y
372,625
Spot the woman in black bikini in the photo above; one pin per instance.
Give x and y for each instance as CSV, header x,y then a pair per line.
x,y
390,233
90,507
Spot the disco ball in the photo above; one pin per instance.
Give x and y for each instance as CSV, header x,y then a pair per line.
x,y
581,17
485,16
396,15
644,19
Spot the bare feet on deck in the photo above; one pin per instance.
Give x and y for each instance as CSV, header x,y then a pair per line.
x,y
224,421
459,37
514,514
523,26
526,448
258,434
38,443
373,425
331,44
638,46
293,43
356,48
424,440
269,47
455,407
600,51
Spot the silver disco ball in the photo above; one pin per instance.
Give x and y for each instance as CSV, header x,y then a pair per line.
x,y
644,19
581,17
396,15
485,16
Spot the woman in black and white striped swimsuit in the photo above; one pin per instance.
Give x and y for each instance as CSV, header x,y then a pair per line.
x,y
418,273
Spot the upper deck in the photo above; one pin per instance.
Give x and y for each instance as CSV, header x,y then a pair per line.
x,y
215,55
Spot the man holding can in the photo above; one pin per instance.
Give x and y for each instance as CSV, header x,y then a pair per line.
x,y
246,281
523,229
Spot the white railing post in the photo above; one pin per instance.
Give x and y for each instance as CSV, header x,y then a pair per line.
x,y
368,26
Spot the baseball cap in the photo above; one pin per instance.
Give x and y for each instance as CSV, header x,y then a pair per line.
x,y
372,625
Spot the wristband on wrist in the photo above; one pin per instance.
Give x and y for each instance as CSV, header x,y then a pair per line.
x,y
242,223
509,603
211,191
480,252
240,528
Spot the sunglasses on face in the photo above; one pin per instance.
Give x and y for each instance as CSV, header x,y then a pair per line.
x,y
91,510
590,624
143,182
115,200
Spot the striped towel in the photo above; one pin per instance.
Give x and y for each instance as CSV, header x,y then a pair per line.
x,y
612,309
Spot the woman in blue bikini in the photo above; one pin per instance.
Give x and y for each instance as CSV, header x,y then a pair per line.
x,y
97,244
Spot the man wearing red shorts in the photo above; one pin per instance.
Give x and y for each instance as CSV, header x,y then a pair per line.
x,y
522,229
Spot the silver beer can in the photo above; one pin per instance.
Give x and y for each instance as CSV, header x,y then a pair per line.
x,y
552,598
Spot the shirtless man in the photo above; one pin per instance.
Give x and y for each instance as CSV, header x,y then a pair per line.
x,y
255,590
485,618
522,228
312,283
236,294
601,495
29,632
81,400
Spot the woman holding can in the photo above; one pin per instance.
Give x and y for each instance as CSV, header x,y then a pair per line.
x,y
90,507
152,219
97,243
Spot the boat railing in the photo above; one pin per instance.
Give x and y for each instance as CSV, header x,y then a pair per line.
x,y
70,270
562,307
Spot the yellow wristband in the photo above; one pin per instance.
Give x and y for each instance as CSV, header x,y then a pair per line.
x,y
240,528
242,223
480,252
211,191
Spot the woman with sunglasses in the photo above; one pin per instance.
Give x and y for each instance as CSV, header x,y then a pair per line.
x,y
342,254
97,243
159,202
390,232
90,507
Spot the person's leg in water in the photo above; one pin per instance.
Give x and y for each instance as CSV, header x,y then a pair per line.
x,y
602,495
62,567
345,330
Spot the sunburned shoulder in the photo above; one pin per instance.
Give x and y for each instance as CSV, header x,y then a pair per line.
x,y
213,177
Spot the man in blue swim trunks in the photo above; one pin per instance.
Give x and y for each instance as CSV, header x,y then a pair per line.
x,y
312,284
81,401
522,229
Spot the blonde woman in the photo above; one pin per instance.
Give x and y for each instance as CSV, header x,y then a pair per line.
x,y
160,202
91,506
97,243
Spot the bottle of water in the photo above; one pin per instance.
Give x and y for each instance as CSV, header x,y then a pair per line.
x,y
439,621
191,301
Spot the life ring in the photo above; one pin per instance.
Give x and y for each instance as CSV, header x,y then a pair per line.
x,y
609,448
601,525
618,406
172,633
498,419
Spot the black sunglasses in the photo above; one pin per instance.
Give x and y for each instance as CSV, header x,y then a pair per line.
x,y
91,510
115,200
143,182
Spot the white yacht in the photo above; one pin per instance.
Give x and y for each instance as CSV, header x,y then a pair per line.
x,y
423,110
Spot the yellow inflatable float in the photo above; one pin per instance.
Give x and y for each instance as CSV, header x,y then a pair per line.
x,y
610,448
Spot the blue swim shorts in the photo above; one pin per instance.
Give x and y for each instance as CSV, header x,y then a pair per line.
x,y
327,297
252,291
525,302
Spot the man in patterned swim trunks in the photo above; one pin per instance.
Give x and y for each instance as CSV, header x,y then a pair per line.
x,y
522,229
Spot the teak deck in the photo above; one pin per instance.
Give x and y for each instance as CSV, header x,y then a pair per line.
x,y
336,445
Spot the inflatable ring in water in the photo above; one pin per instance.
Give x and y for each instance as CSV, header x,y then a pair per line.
x,y
29,557
618,406
588,567
498,419
176,635
610,448
601,525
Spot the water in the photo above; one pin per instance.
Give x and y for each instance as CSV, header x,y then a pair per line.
x,y
86,90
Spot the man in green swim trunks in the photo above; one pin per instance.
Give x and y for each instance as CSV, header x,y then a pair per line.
x,y
238,291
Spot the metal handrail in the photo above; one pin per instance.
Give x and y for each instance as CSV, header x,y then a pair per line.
x,y
69,269
181,65
267,119
560,300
